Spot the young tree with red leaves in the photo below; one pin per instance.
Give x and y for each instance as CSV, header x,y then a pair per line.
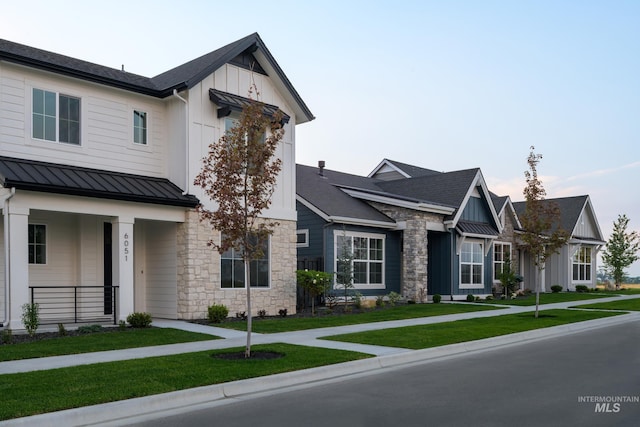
x,y
542,234
239,174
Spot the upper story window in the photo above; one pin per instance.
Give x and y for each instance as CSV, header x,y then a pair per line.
x,y
37,244
139,127
472,265
56,117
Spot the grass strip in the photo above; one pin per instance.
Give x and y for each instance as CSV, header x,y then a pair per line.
x,y
103,341
39,392
439,334
409,311
549,298
627,304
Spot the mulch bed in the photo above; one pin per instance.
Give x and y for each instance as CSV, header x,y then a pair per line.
x,y
255,355
41,336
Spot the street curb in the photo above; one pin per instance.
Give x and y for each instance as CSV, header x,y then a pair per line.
x,y
113,412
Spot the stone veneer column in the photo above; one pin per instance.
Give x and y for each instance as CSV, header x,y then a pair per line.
x,y
199,273
415,259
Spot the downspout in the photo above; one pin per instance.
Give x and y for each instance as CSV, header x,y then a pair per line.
x,y
7,288
186,132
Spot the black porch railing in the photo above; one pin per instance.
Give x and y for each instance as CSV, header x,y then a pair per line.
x,y
75,304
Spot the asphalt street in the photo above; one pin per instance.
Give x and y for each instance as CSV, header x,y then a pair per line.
x,y
572,380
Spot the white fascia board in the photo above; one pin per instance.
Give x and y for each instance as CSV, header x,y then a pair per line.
x,y
386,162
363,222
346,220
593,215
479,180
313,208
418,206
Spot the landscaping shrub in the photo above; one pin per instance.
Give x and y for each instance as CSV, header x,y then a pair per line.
x,y
217,313
31,318
89,329
470,298
61,330
282,312
556,288
122,325
7,336
582,288
139,320
437,298
380,301
489,298
262,314
394,297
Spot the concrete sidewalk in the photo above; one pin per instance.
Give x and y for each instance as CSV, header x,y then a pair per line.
x,y
118,413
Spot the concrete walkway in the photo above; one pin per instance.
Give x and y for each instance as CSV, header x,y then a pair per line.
x,y
386,357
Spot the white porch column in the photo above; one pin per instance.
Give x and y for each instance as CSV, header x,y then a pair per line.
x,y
123,264
18,249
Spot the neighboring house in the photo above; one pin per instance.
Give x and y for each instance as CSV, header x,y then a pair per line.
x,y
97,196
412,230
575,263
417,231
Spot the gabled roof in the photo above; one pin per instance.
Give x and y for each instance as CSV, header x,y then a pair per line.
x,y
571,208
181,77
404,169
440,193
47,177
319,193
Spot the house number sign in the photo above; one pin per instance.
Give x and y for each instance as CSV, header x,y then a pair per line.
x,y
125,243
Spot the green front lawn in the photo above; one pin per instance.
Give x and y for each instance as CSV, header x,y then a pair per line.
x,y
427,336
399,312
548,298
629,305
102,341
38,392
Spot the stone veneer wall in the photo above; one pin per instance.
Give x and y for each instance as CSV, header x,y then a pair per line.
x,y
199,273
415,244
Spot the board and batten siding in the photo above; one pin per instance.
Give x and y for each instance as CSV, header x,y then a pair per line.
x,y
2,276
160,288
586,226
307,220
476,210
106,120
205,128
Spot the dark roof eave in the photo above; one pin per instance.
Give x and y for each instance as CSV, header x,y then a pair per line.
x,y
189,202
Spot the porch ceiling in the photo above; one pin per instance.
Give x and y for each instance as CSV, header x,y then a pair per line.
x,y
72,180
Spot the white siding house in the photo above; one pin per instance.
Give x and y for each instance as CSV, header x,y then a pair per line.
x,y
97,196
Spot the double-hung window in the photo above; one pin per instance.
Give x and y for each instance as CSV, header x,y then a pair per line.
x,y
471,265
501,255
232,269
582,265
365,253
56,117
37,244
139,127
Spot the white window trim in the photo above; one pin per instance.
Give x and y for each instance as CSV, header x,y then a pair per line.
x,y
573,262
304,232
28,111
472,285
493,261
349,233
46,245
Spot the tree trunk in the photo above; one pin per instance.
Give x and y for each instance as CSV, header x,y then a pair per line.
x,y
537,279
247,283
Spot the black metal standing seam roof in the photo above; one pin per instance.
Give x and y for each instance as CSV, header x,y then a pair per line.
x,y
237,103
46,177
477,228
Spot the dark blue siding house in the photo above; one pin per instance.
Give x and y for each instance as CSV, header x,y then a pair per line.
x,y
412,230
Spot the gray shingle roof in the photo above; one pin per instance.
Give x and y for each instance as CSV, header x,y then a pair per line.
x,y
570,210
322,192
63,179
447,189
411,170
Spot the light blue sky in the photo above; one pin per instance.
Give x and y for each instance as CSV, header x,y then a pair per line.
x,y
445,85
